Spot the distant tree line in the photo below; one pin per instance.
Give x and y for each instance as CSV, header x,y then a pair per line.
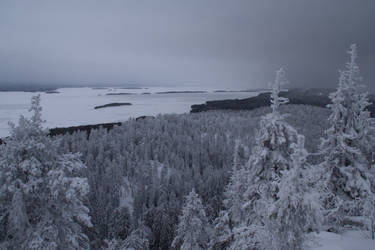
x,y
316,97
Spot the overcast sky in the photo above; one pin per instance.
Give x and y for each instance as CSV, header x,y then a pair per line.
x,y
226,44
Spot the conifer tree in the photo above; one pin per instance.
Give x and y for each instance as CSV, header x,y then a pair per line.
x,y
137,240
297,208
233,214
42,191
272,152
347,146
192,230
271,156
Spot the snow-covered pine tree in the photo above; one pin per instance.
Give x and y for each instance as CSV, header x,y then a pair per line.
x,y
347,146
271,156
272,152
41,191
137,240
223,231
193,228
233,214
297,208
279,82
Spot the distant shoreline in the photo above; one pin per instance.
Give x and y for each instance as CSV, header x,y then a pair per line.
x,y
22,87
120,94
181,92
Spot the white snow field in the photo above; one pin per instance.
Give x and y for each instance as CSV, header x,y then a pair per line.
x,y
352,240
75,106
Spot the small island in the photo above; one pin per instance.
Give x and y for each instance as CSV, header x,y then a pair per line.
x,y
120,94
182,92
52,92
113,104
99,88
131,88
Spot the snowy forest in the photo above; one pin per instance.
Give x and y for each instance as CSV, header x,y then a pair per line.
x,y
269,178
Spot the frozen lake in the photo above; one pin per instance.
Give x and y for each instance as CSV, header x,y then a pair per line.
x,y
75,106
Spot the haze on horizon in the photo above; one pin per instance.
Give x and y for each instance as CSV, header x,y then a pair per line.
x,y
213,43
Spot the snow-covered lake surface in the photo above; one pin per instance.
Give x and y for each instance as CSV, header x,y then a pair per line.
x,y
75,106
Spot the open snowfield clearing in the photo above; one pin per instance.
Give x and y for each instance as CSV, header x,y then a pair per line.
x,y
353,240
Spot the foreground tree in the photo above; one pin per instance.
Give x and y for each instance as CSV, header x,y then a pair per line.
x,y
278,205
41,191
271,157
296,210
192,229
347,146
272,152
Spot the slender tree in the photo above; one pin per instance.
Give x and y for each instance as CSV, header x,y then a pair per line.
x,y
192,230
233,214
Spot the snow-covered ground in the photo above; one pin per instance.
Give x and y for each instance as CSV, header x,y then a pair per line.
x,y
75,106
352,240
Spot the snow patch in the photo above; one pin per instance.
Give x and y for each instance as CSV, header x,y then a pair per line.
x,y
351,240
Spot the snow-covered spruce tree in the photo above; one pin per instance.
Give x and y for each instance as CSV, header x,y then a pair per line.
x,y
41,191
233,214
272,152
193,228
137,240
296,210
347,146
271,156
223,231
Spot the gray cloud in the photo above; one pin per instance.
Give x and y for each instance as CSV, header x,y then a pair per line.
x,y
231,44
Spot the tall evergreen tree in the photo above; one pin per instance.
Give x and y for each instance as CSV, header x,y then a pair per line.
x,y
137,240
348,143
271,156
42,191
192,229
272,152
297,208
233,214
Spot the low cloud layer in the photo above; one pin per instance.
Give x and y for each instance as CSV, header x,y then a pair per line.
x,y
225,44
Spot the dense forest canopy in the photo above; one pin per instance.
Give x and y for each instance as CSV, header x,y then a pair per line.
x,y
141,170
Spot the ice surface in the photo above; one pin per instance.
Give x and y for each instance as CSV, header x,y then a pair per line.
x,y
75,106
